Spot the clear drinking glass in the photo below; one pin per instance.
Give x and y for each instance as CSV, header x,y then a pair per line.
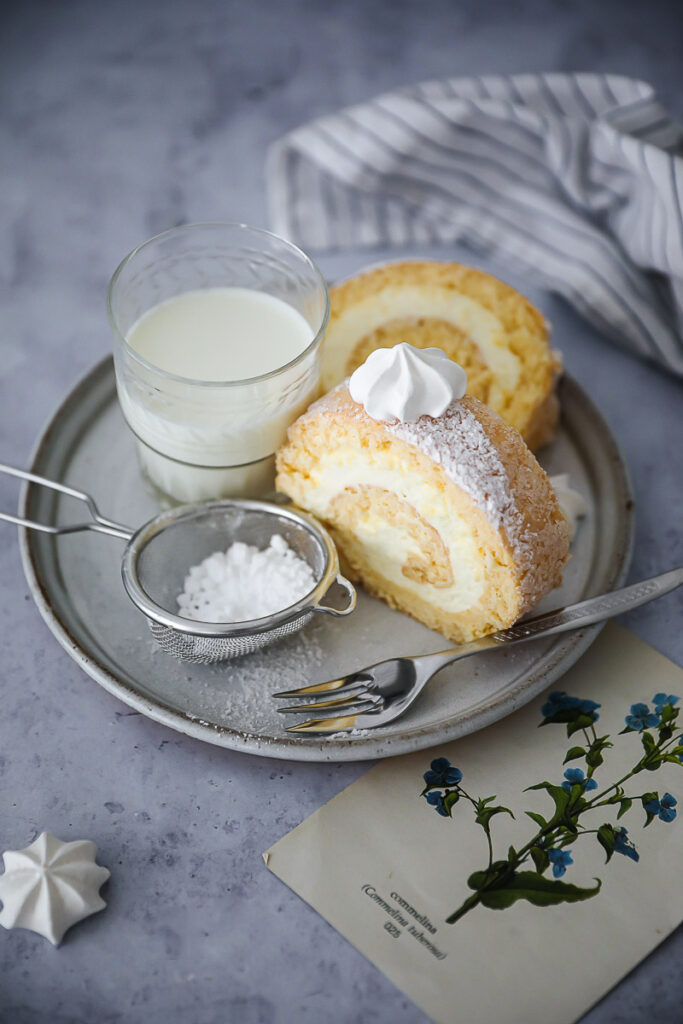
x,y
205,439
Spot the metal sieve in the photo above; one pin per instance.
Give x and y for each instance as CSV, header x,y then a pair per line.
x,y
159,554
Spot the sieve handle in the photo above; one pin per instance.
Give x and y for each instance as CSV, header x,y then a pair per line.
x,y
98,523
352,596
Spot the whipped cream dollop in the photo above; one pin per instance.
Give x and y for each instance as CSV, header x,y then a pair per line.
x,y
572,503
403,383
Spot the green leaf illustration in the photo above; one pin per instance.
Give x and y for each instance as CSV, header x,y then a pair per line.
x,y
573,753
668,717
607,839
560,717
529,886
648,742
574,718
449,801
575,797
625,806
485,815
582,722
647,798
538,818
540,859
560,797
594,758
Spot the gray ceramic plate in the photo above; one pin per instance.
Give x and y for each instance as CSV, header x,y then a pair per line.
x,y
76,583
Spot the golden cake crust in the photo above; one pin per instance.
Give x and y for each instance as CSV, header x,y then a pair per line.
x,y
475,462
531,405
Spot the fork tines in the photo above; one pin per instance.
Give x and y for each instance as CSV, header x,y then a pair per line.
x,y
325,725
334,685
350,697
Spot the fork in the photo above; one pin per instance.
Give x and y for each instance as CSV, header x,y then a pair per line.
x,y
378,694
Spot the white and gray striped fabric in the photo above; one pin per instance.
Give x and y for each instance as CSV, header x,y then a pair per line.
x,y
573,179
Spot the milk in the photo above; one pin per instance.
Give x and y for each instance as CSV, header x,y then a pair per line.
x,y
210,429
220,334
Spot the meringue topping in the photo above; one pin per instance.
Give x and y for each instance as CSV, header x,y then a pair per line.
x,y
50,885
404,383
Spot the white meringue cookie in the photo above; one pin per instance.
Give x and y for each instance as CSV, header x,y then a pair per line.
x,y
403,383
50,885
572,503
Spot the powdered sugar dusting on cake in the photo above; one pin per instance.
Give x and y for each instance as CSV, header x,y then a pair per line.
x,y
458,443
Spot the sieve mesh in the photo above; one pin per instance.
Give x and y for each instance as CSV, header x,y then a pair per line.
x,y
207,650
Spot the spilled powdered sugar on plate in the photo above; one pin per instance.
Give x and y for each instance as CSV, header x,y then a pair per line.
x,y
248,684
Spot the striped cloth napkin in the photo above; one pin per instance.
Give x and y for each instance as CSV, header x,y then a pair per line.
x,y
573,179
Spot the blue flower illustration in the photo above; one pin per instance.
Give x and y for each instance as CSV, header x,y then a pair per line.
x,y
558,701
641,718
442,773
663,808
660,700
588,707
622,844
436,799
560,860
575,777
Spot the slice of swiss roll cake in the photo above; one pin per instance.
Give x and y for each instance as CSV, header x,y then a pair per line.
x,y
481,323
437,505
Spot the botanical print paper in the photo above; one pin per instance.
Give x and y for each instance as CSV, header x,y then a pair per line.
x,y
387,865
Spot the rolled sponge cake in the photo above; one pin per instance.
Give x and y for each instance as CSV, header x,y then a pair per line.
x,y
448,519
493,331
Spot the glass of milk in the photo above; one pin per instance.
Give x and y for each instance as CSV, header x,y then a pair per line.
x,y
217,329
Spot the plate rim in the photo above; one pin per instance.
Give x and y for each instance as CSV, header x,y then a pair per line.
x,y
344,748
